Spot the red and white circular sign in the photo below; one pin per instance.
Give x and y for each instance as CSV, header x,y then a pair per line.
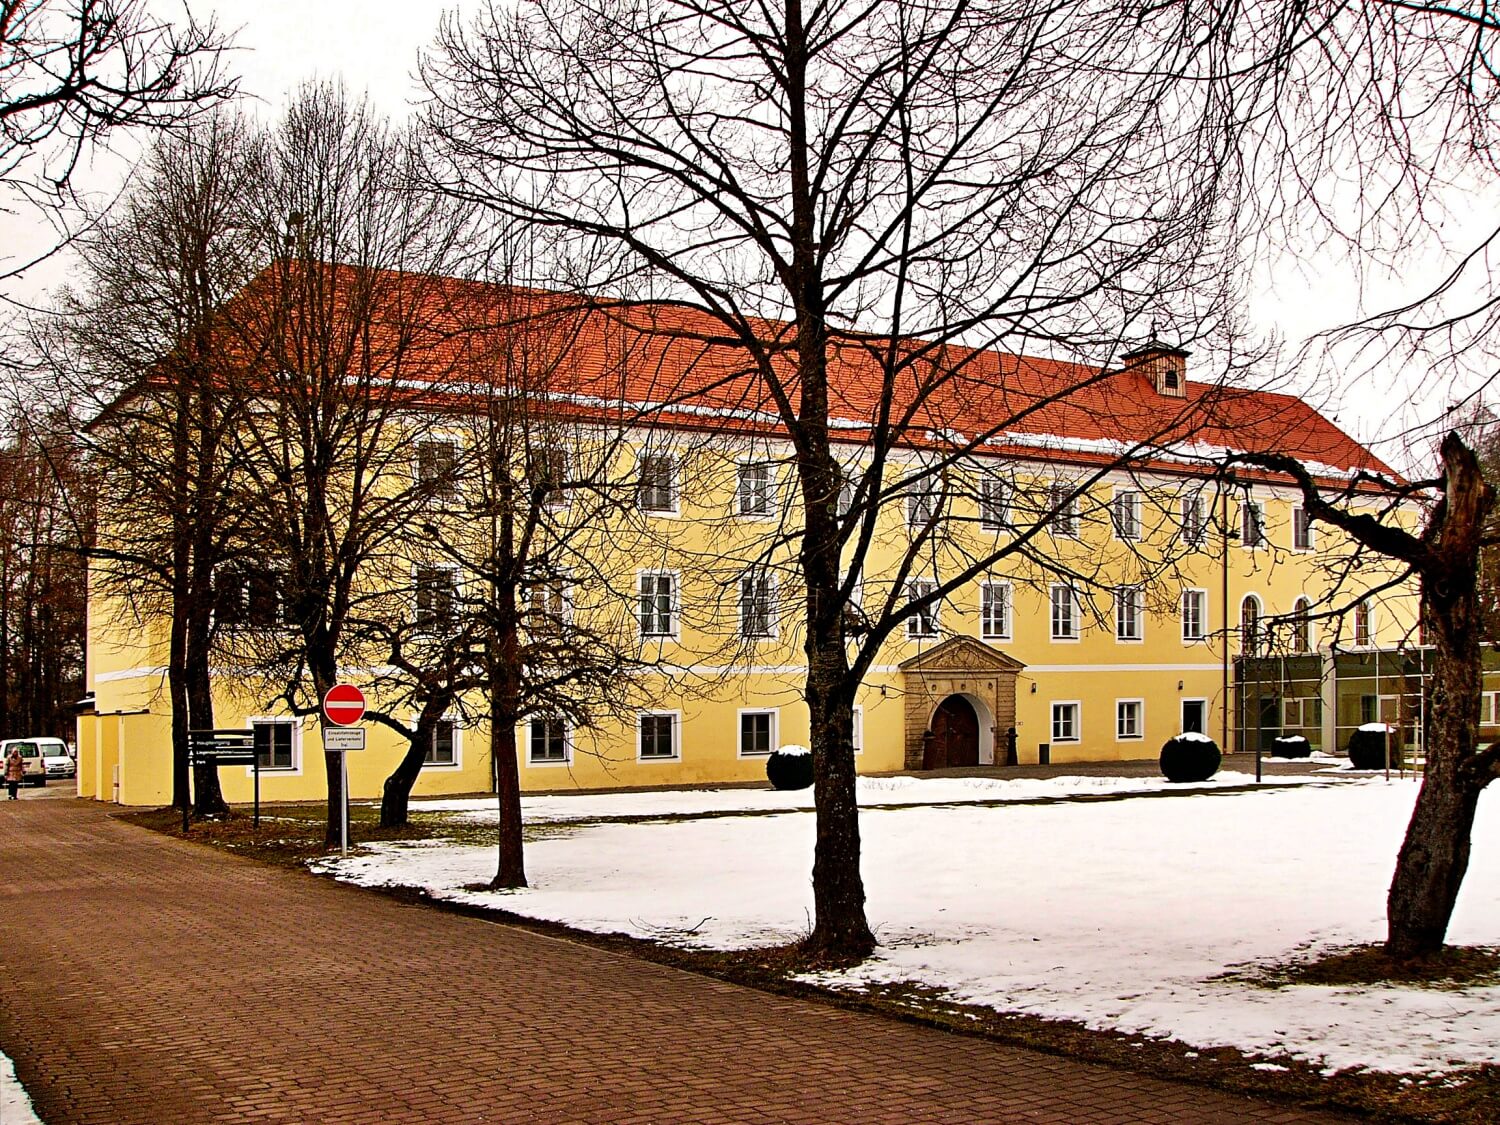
x,y
344,705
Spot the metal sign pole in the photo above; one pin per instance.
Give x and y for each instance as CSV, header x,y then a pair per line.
x,y
344,785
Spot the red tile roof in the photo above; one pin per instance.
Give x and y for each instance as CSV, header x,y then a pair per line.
x,y
445,339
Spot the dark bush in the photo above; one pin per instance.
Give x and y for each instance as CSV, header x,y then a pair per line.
x,y
1291,746
789,771
1190,757
1367,749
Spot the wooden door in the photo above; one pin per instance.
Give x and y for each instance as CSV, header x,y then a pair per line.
x,y
955,736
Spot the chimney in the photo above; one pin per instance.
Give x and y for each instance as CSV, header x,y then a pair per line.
x,y
1165,366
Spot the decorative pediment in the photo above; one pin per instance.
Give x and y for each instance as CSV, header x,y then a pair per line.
x,y
962,654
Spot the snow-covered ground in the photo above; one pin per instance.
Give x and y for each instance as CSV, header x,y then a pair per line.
x,y
15,1105
1122,914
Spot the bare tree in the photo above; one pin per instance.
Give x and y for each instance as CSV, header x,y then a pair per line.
x,y
74,71
338,336
141,352
856,201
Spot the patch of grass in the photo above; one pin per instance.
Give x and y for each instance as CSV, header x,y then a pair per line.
x,y
1454,967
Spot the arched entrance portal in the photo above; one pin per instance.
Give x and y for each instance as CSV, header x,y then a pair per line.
x,y
955,736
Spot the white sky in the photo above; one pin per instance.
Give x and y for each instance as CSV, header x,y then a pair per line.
x,y
372,45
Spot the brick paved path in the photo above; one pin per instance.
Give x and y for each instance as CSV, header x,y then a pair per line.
x,y
148,980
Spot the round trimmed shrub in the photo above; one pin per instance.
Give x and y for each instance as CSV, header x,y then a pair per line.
x,y
1367,747
1190,757
790,768
1291,746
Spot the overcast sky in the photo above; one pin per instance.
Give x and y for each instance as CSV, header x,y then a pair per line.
x,y
372,45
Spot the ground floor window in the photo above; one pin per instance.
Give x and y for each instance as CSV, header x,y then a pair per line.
x,y
440,750
1065,722
757,733
273,743
658,736
1128,724
548,740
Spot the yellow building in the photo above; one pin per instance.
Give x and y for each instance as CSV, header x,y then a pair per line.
x,y
1144,575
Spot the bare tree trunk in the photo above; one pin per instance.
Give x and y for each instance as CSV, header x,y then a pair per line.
x,y
510,870
395,794
1435,854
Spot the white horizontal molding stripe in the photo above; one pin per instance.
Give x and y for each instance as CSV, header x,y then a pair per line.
x,y
130,674
1076,668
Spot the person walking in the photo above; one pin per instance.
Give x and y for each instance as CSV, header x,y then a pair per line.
x,y
15,769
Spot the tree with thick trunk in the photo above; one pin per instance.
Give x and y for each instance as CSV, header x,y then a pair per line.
x,y
1444,557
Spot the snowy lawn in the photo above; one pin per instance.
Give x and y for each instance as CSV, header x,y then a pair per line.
x,y
1121,914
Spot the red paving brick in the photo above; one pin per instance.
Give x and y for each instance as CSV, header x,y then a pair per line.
x,y
148,980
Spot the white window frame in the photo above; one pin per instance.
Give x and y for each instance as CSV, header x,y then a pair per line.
x,y
1133,600
444,497
924,500
1182,705
1252,520
564,591
1077,735
1300,620
1064,524
1294,712
674,488
458,743
763,506
556,498
1125,514
928,616
771,628
676,717
987,591
1304,539
674,598
1075,612
858,729
1201,596
1194,520
455,592
1489,708
295,769
1366,609
1258,641
567,743
994,509
774,713
1140,720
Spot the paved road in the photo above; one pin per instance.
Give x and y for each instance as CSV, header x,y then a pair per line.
x,y
148,980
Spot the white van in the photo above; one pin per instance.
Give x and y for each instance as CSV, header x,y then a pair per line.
x,y
32,759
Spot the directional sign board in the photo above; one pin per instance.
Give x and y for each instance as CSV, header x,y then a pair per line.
x,y
344,705
352,738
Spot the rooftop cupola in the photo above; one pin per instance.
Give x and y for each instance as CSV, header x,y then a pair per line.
x,y
1164,365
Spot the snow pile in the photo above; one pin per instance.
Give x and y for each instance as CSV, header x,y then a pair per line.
x,y
1192,736
1057,909
792,750
15,1103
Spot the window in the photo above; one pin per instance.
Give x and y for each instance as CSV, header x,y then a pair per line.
x,y
844,504
547,740
1489,708
757,613
1128,724
658,605
550,608
859,728
1127,613
658,736
250,595
1192,520
1303,713
656,488
1064,613
757,733
1252,524
992,496
437,596
1302,530
923,501
1125,514
1194,614
274,743
994,610
1302,625
753,493
440,751
1064,506
1364,625
549,474
437,464
923,622
1065,722
1250,633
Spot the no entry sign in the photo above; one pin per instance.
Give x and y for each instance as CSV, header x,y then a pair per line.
x,y
344,705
